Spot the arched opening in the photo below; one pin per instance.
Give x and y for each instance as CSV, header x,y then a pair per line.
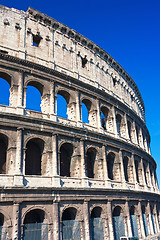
x,y
118,223
152,218
34,226
70,226
129,130
34,150
133,219
104,117
136,167
3,153
110,165
85,108
33,96
144,221
62,102
66,152
97,224
125,166
4,91
90,163
118,124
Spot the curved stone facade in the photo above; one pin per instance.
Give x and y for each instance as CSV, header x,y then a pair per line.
x,y
54,170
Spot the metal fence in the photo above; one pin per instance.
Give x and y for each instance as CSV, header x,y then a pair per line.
x,y
35,231
97,229
71,230
134,225
118,227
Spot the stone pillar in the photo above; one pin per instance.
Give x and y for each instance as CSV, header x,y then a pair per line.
x,y
156,221
128,220
114,121
122,167
56,221
98,115
55,162
86,220
110,222
134,169
78,108
105,228
52,102
150,227
143,177
83,165
105,170
16,221
20,97
18,178
141,221
134,133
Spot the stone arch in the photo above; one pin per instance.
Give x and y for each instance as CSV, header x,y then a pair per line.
x,y
126,168
133,219
7,76
96,223
5,88
91,109
91,162
118,222
3,153
7,218
48,216
66,153
104,111
33,157
118,123
145,224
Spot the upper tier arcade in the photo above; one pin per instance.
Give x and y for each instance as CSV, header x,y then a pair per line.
x,y
42,40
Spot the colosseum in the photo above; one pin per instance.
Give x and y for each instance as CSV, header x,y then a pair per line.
x,y
64,177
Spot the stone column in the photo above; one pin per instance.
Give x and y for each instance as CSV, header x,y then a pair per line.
x,y
134,169
110,222
141,221
56,221
105,169
114,121
78,109
18,178
143,177
122,167
105,228
134,133
20,97
86,220
16,221
83,165
128,219
98,115
52,102
156,221
54,163
149,219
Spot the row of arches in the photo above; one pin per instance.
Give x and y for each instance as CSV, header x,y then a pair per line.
x,y
36,157
64,101
35,224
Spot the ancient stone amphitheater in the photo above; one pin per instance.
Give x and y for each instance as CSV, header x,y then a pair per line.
x,y
64,178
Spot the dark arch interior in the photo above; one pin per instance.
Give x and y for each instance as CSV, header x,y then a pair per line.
x,y
143,209
110,164
118,122
129,129
66,152
117,211
90,160
69,214
125,165
1,219
3,154
96,212
132,210
33,157
104,115
34,216
136,167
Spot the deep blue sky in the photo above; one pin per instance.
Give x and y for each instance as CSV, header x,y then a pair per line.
x,y
129,30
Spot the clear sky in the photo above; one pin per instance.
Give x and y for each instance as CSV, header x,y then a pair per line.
x,y
129,30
